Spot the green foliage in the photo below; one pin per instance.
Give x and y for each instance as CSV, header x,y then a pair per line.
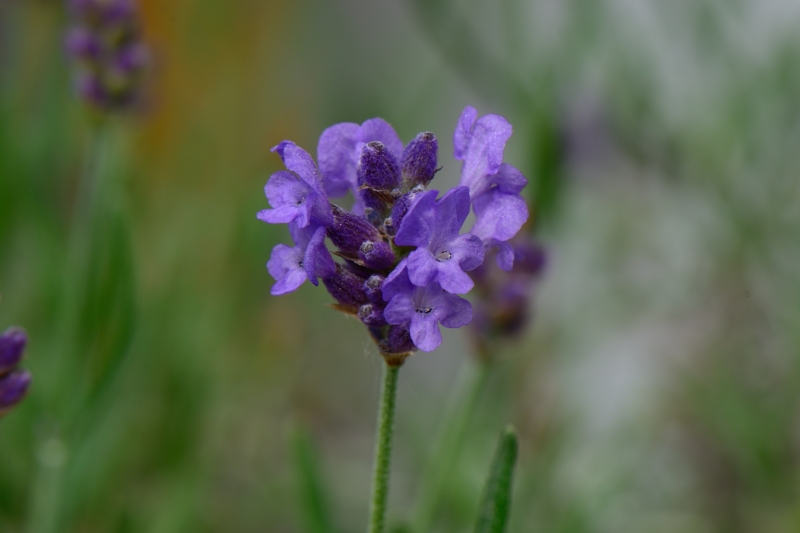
x,y
495,504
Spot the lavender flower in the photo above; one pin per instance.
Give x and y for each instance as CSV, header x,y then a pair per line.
x,y
297,194
106,48
494,186
422,308
340,148
308,260
403,258
442,255
14,382
503,299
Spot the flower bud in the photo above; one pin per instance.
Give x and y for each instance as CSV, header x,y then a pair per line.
x,y
371,315
418,162
374,288
377,255
12,348
399,210
399,340
378,168
13,388
346,288
348,231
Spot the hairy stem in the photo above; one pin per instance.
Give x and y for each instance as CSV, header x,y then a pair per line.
x,y
383,450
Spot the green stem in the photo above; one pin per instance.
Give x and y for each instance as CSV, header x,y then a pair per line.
x,y
470,386
383,450
54,449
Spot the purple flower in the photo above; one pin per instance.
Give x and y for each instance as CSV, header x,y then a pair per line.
x,y
105,44
340,148
494,186
398,228
422,309
12,348
13,388
296,194
502,299
309,259
442,255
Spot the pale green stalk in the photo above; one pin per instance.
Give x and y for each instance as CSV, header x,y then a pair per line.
x,y
470,386
53,453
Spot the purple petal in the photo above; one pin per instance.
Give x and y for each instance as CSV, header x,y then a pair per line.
x,y
485,152
451,277
458,311
467,251
287,194
335,154
425,331
509,179
298,161
505,255
377,129
417,227
463,133
498,215
397,282
400,310
317,260
284,266
451,212
422,267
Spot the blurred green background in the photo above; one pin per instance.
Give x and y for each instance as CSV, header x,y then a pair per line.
x,y
659,389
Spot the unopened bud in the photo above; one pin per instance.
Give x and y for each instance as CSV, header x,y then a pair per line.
x,y
418,163
378,168
377,255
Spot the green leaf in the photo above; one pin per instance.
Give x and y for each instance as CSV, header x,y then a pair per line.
x,y
313,502
496,499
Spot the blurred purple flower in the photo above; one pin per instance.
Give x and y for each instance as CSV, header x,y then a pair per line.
x,y
105,44
13,388
503,299
12,348
14,382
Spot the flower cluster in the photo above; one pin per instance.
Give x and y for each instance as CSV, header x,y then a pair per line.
x,y
105,43
404,258
14,382
502,299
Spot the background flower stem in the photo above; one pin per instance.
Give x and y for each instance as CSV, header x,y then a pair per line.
x,y
383,450
96,217
471,383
